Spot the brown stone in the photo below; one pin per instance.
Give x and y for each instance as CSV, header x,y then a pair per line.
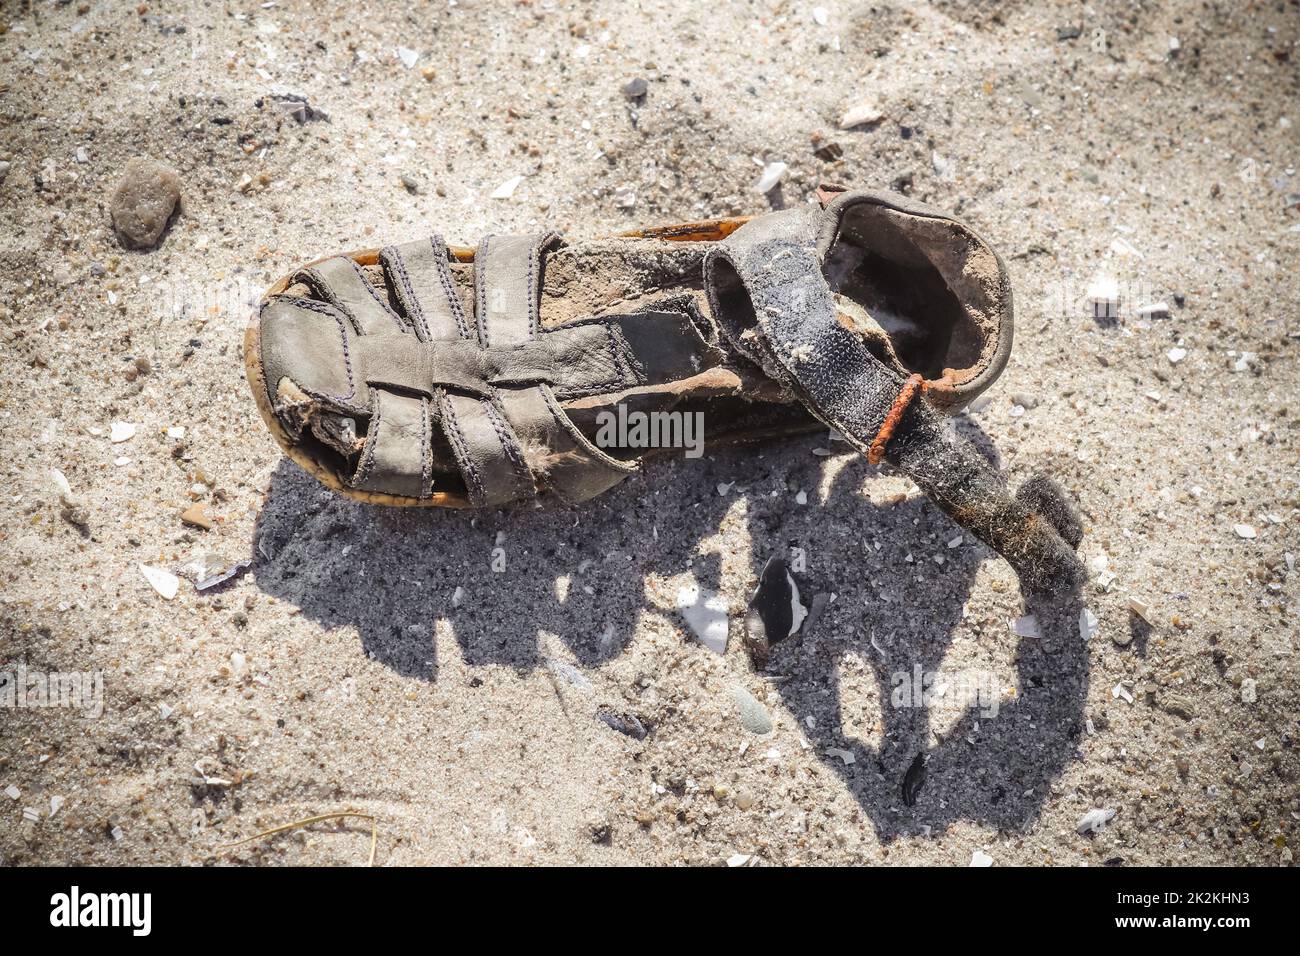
x,y
144,200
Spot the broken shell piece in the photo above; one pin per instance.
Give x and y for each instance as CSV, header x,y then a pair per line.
x,y
61,485
773,173
775,609
863,114
1176,355
1088,625
507,188
209,569
706,613
1153,310
121,431
1026,626
1141,609
845,756
161,580
1245,531
207,770
1094,820
627,724
980,858
196,516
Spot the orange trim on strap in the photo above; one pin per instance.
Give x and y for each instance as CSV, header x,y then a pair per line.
x,y
913,385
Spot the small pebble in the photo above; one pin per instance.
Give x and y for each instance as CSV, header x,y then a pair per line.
x,y
143,202
753,715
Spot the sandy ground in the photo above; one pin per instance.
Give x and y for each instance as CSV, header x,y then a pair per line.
x,y
338,673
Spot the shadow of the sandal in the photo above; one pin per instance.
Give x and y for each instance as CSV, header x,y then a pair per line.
x,y
580,574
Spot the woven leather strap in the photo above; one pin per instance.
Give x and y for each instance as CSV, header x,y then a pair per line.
x,y
494,380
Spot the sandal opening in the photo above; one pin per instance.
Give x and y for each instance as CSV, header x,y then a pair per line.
x,y
938,292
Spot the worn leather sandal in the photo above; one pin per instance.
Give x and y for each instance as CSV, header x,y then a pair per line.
x,y
426,375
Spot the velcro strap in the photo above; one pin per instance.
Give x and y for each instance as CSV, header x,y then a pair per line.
x,y
771,299
590,357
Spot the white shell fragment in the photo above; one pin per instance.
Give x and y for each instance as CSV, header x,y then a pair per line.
x,y
773,173
862,114
121,431
1026,626
1245,531
706,613
738,859
1141,609
1176,355
1153,310
61,484
845,756
944,168
1094,820
407,56
507,188
980,858
161,580
1088,625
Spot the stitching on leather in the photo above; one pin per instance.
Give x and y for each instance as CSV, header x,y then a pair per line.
x,y
580,440
456,438
440,254
612,342
509,444
374,294
534,278
393,260
368,459
320,307
322,288
480,290
426,450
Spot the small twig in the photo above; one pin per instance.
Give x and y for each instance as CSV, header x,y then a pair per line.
x,y
298,824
